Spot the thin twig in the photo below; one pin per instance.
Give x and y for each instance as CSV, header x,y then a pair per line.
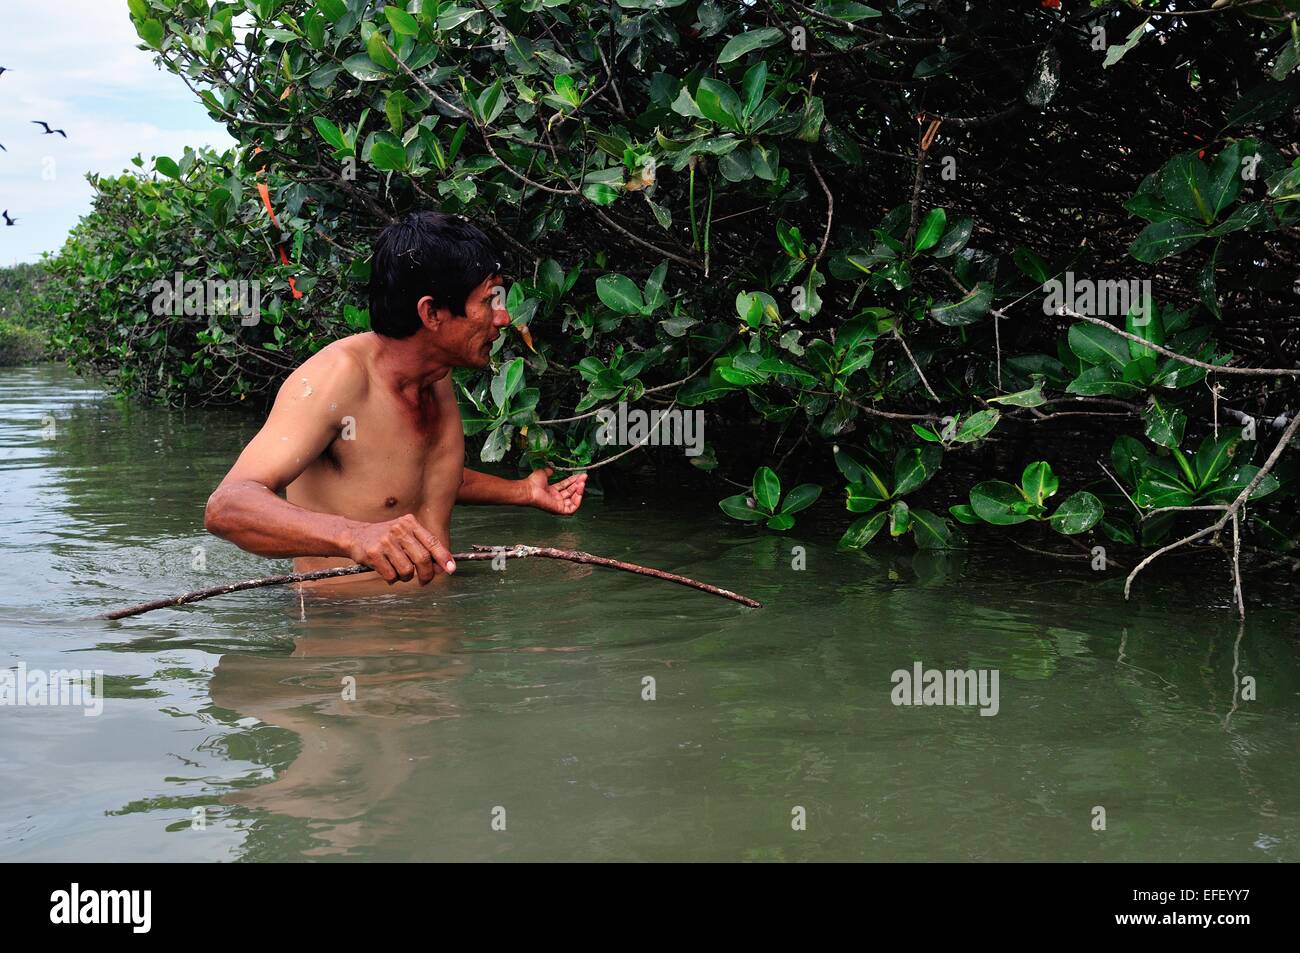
x,y
915,366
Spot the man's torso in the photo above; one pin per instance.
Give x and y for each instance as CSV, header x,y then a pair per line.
x,y
394,454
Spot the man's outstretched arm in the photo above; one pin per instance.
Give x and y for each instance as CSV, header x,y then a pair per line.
x,y
246,509
562,498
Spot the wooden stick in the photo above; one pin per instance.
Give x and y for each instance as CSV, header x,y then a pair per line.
x,y
480,553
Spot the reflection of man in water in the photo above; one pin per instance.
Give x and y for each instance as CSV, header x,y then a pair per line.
x,y
352,695
367,704
365,438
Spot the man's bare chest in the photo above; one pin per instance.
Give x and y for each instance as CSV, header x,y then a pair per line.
x,y
388,460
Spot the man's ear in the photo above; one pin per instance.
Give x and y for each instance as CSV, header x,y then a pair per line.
x,y
430,316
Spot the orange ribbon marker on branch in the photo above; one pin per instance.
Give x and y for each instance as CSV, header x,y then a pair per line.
x,y
265,192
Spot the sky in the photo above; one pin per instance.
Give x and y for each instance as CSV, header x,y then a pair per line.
x,y
77,65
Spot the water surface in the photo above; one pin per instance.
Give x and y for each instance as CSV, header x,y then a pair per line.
x,y
518,696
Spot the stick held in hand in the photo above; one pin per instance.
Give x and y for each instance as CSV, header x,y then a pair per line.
x,y
479,553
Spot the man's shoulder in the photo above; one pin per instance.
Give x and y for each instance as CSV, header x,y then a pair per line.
x,y
340,367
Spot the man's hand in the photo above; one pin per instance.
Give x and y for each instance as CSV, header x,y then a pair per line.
x,y
563,498
399,549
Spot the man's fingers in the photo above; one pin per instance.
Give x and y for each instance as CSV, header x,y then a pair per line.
x,y
441,555
397,556
571,498
420,556
380,564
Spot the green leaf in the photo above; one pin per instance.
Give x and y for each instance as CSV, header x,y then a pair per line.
x,y
743,43
1095,345
865,496
507,382
914,466
1117,52
1103,380
930,530
862,531
401,21
955,239
930,229
1128,456
333,9
966,310
1185,187
151,31
1077,513
814,116
767,488
1161,486
361,66
850,464
1159,240
620,294
1039,482
780,522
497,443
1033,397
1164,423
1118,531
977,425
330,132
1225,177
718,102
849,10
1214,456
963,513
800,498
1265,101
387,155
167,166
1288,58
1032,265
600,193
1145,321
1235,482
741,507
753,86
999,503
378,50
900,519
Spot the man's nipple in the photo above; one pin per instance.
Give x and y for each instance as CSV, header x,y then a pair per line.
x,y
390,502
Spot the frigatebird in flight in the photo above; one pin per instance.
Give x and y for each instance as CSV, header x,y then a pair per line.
x,y
48,130
8,220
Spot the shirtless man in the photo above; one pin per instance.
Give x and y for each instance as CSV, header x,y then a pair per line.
x,y
365,438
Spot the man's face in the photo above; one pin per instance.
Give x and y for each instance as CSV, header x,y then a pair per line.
x,y
468,339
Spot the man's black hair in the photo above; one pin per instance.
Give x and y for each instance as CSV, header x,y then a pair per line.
x,y
427,253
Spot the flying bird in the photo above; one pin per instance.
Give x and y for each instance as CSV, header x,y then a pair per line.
x,y
3,70
48,130
8,220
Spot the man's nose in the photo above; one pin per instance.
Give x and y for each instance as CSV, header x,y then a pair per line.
x,y
500,318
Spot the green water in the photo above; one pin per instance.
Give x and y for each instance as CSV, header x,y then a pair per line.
x,y
518,695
